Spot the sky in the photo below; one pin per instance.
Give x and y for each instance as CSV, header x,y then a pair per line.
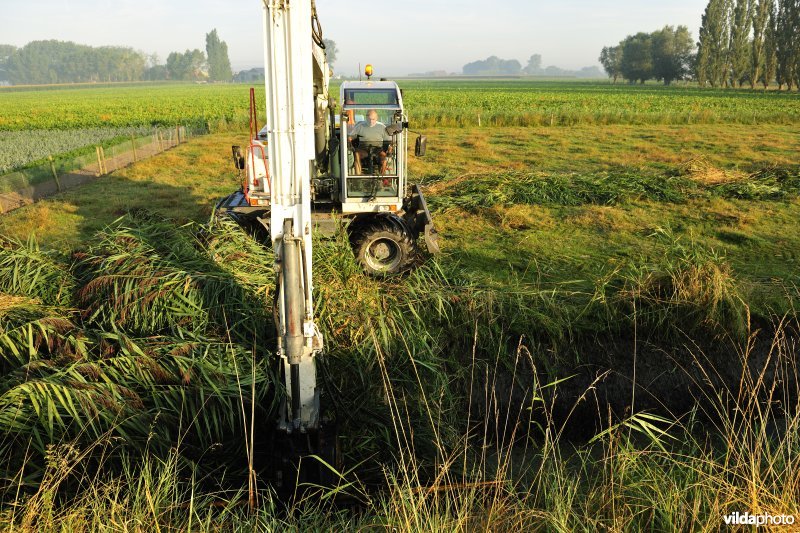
x,y
398,37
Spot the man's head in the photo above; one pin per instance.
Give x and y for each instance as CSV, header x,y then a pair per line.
x,y
372,117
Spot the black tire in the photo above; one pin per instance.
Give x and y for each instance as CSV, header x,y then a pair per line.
x,y
384,246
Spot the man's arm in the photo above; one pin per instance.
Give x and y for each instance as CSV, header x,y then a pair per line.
x,y
387,139
354,132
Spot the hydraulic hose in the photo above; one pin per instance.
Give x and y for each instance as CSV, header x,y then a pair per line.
x,y
316,27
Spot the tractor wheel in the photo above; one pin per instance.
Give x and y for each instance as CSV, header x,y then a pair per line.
x,y
384,247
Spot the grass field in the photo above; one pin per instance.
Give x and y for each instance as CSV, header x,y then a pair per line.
x,y
578,253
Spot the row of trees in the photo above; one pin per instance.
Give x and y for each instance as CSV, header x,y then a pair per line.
x,y
740,42
750,41
665,55
494,66
42,62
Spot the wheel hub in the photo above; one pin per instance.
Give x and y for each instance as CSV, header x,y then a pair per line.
x,y
382,254
381,251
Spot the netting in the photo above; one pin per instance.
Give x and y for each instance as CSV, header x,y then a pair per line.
x,y
27,185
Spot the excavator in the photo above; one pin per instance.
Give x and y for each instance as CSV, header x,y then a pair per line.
x,y
351,179
310,169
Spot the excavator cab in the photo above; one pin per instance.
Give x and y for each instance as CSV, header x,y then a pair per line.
x,y
372,170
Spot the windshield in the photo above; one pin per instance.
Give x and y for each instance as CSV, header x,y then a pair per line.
x,y
371,97
372,153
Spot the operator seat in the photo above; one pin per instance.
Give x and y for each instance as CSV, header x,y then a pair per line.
x,y
372,161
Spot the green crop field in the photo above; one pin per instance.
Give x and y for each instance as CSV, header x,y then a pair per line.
x,y
608,340
526,103
65,108
445,103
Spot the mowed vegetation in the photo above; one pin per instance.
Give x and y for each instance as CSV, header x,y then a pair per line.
x,y
132,333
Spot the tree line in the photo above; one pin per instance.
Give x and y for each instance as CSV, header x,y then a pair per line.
x,y
740,42
495,66
750,42
46,62
665,55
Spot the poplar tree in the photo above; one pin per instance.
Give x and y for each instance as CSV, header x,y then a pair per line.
x,y
783,40
712,54
704,45
761,16
793,34
219,65
739,51
770,47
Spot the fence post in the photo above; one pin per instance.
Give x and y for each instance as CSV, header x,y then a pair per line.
x,y
103,159
133,144
53,170
177,135
99,162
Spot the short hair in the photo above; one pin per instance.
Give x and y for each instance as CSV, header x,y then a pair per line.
x,y
372,112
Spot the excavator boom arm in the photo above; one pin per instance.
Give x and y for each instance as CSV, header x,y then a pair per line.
x,y
296,87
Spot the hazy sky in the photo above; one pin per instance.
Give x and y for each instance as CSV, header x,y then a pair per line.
x,y
415,35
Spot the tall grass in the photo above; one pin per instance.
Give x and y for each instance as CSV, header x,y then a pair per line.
x,y
690,290
447,392
25,269
163,347
738,451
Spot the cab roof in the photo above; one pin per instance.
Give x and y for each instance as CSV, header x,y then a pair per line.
x,y
368,94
